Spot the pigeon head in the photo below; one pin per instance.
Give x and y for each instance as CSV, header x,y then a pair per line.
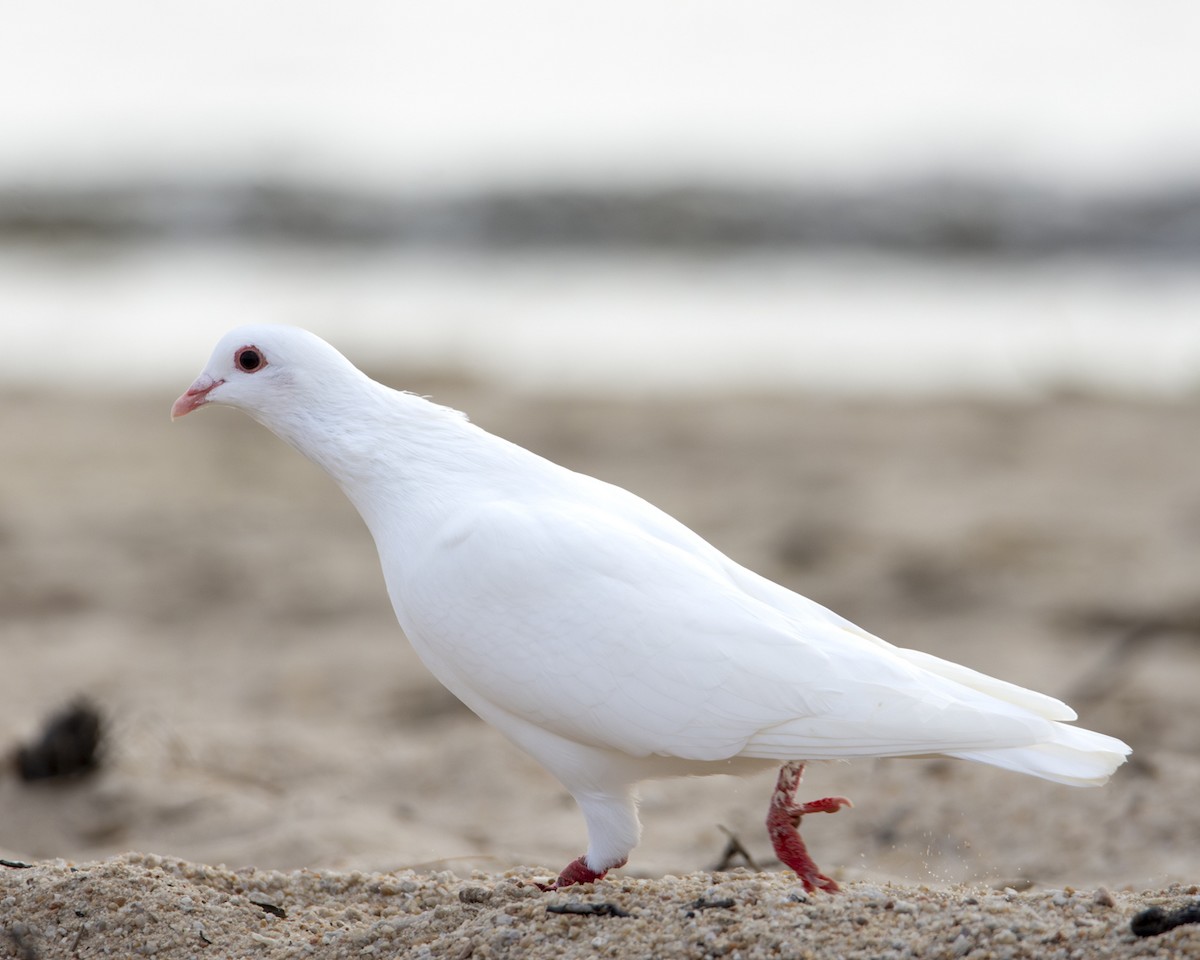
x,y
273,373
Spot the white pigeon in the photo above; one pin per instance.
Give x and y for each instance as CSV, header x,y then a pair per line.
x,y
604,637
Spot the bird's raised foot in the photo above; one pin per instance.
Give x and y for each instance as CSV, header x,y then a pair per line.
x,y
784,817
577,871
790,848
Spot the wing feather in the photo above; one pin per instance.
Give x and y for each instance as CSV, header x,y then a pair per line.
x,y
596,629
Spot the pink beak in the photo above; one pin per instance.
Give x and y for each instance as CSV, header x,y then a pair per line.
x,y
195,396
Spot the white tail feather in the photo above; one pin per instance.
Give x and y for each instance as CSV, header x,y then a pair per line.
x,y
1076,757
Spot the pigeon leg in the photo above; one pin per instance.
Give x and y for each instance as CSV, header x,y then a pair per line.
x,y
783,819
613,829
577,871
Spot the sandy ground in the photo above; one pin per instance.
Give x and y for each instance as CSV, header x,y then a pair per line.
x,y
221,603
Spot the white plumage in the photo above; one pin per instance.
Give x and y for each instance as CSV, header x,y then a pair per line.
x,y
604,637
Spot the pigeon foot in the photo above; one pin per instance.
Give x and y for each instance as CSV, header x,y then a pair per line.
x,y
783,819
577,871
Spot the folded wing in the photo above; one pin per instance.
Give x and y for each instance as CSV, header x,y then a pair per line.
x,y
592,627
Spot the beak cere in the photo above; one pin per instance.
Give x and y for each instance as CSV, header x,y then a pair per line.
x,y
195,396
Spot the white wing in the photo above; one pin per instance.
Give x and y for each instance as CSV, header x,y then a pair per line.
x,y
793,604
806,613
590,626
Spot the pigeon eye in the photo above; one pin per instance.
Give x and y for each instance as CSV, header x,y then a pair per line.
x,y
249,359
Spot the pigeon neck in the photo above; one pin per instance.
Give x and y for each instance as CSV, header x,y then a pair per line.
x,y
395,455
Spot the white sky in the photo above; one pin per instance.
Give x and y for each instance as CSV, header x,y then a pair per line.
x,y
450,92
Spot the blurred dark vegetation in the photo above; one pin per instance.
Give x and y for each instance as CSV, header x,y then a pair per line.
x,y
67,746
926,217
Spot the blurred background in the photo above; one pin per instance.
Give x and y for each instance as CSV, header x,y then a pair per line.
x,y
611,195
898,304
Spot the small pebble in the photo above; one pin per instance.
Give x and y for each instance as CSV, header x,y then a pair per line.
x,y
1102,898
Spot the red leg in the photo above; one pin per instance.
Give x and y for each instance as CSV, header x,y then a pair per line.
x,y
577,871
783,819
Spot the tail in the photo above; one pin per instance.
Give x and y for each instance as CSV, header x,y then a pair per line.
x,y
1076,757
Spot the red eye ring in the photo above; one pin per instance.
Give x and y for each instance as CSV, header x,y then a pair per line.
x,y
249,359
